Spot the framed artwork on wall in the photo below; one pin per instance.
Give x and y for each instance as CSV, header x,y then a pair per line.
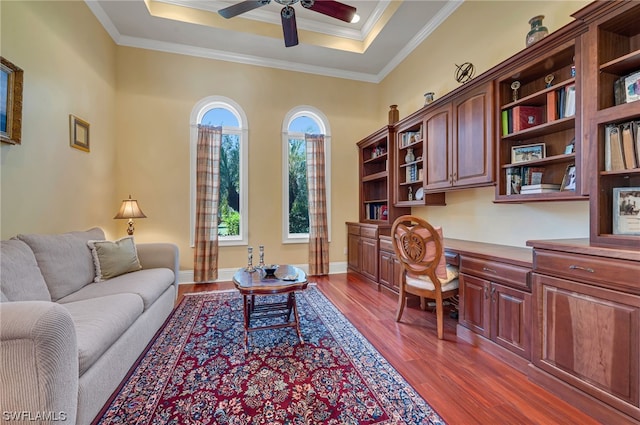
x,y
11,80
78,133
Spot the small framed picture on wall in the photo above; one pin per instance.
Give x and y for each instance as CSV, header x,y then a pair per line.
x,y
78,133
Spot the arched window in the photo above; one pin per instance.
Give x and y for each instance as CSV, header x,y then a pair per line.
x,y
233,199
298,122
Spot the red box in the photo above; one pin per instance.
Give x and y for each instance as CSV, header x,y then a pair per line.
x,y
526,117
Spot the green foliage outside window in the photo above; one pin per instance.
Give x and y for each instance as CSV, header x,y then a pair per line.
x,y
229,197
298,195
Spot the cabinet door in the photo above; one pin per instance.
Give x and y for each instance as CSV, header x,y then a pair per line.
x,y
386,269
475,304
589,337
472,146
369,258
397,269
353,254
437,131
511,319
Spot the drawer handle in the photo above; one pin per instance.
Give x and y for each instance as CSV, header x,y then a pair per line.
x,y
586,269
486,293
487,269
493,294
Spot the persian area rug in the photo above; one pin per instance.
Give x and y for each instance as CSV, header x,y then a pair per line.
x,y
196,371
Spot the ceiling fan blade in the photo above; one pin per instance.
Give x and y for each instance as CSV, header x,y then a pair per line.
x,y
245,6
289,26
335,9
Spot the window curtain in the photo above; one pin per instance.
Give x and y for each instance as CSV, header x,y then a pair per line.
x,y
207,192
318,228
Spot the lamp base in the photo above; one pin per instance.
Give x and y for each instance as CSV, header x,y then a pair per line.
x,y
130,229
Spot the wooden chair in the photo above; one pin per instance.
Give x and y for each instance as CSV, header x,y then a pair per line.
x,y
420,250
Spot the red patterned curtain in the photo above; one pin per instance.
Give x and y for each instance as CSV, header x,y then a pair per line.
x,y
318,228
207,190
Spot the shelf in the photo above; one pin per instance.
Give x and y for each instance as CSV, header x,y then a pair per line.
x,y
378,158
411,163
567,195
544,161
377,176
410,183
376,201
619,113
410,145
623,64
623,173
543,129
538,98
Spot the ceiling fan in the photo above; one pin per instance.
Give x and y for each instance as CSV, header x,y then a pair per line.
x,y
326,7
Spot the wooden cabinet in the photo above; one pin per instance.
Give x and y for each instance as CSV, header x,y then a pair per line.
x,y
458,140
495,303
389,266
539,131
362,255
586,304
376,156
613,46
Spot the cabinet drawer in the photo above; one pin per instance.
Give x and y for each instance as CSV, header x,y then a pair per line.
x,y
369,232
494,271
353,230
386,245
605,272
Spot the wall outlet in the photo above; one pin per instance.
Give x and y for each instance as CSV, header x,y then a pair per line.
x,y
345,250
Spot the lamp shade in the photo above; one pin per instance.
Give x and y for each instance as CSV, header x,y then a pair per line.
x,y
130,209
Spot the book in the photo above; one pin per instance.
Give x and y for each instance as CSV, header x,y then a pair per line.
x,y
541,190
561,97
570,101
628,148
552,106
613,155
550,186
513,181
636,132
526,117
505,122
632,87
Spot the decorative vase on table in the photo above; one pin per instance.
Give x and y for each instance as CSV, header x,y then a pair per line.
x,y
538,31
409,157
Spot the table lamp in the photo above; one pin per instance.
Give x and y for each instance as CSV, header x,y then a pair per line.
x,y
130,210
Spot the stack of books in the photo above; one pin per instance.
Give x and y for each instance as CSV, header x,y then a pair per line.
x,y
539,188
622,146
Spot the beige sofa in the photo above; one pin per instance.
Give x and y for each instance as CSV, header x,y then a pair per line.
x,y
66,342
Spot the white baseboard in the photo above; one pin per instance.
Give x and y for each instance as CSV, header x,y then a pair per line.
x,y
225,275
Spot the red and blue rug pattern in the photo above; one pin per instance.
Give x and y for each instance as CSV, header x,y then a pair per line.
x,y
196,372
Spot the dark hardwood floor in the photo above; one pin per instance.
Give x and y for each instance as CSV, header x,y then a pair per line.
x,y
462,383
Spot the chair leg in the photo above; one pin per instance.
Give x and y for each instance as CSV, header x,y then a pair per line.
x,y
423,304
402,299
439,316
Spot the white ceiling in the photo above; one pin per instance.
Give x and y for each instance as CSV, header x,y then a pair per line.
x,y
368,50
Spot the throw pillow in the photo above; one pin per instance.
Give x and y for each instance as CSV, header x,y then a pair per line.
x,y
113,258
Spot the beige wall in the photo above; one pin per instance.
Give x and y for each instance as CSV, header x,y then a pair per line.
x,y
483,33
156,94
138,103
69,68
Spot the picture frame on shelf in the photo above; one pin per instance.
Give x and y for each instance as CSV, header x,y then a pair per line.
x,y
11,84
626,211
571,147
78,133
569,179
526,153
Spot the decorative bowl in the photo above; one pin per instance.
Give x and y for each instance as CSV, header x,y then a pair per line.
x,y
270,269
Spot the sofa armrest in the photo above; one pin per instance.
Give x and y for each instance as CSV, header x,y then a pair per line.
x,y
38,361
156,255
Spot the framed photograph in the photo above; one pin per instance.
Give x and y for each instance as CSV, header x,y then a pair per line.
x,y
528,152
78,133
11,78
569,179
626,210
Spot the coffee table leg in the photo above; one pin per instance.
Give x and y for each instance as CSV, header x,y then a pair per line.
x,y
247,316
295,316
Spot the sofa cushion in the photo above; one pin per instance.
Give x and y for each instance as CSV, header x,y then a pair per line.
x,y
148,284
113,258
100,322
65,260
20,277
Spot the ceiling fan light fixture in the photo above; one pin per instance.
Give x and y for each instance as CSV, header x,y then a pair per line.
x,y
355,19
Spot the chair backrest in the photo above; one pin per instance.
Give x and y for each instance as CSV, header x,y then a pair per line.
x,y
419,246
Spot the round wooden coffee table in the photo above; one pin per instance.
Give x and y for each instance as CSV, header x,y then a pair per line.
x,y
286,280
